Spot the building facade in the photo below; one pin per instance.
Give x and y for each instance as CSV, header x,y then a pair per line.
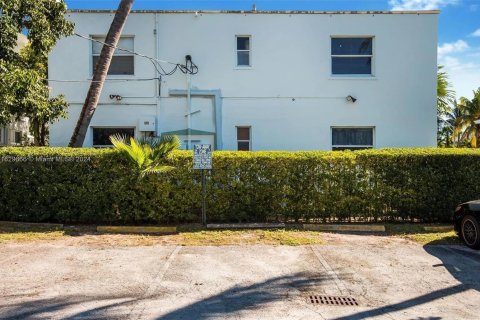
x,y
265,81
16,133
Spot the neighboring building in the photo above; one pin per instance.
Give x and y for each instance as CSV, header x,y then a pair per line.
x,y
17,132
266,80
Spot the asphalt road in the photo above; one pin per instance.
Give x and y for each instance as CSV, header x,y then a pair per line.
x,y
389,278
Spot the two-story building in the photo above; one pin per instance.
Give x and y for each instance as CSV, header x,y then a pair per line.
x,y
265,81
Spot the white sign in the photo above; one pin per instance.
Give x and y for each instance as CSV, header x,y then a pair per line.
x,y
202,156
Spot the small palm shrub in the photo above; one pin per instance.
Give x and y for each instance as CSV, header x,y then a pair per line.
x,y
148,155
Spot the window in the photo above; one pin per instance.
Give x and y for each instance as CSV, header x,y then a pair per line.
x,y
243,139
352,138
243,51
18,137
122,61
352,56
101,136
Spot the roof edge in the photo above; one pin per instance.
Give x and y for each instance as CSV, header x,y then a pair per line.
x,y
257,12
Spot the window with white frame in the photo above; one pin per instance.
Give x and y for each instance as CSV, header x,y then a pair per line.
x,y
123,62
243,138
352,56
352,138
101,136
243,50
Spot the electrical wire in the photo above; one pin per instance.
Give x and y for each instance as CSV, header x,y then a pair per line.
x,y
117,80
189,67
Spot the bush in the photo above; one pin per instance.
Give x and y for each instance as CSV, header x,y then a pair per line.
x,y
99,186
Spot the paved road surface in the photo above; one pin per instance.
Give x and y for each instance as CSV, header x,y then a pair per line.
x,y
390,278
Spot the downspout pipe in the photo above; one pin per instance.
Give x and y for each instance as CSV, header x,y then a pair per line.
x,y
158,81
189,108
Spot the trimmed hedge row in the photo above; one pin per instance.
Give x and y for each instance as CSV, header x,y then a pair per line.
x,y
98,186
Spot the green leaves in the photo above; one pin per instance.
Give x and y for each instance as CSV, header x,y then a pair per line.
x,y
97,185
43,20
23,88
147,154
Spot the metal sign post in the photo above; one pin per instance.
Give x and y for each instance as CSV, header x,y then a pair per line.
x,y
202,160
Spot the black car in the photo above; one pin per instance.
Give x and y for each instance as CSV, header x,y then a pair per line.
x,y
466,223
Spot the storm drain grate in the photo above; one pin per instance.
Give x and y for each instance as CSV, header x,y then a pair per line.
x,y
332,300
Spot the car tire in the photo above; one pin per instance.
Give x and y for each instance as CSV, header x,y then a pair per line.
x,y
470,231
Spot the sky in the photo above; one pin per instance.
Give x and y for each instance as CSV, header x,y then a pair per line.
x,y
458,34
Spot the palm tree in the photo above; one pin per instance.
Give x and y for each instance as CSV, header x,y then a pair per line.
x,y
148,155
445,97
100,73
470,113
450,127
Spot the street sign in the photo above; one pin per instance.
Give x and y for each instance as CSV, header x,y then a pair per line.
x,y
202,160
202,156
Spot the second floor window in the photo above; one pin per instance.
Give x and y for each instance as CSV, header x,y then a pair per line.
x,y
352,56
243,51
122,61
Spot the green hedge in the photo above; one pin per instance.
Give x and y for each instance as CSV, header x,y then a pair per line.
x,y
98,186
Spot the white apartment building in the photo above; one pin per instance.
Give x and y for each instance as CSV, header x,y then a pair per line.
x,y
265,81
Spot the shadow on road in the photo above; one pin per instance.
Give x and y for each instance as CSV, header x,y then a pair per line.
x,y
227,302
462,263
53,308
247,297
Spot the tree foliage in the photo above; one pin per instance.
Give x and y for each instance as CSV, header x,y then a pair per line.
x,y
23,88
445,98
445,94
470,112
147,155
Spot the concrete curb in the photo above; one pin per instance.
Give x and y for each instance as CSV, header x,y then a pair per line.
x,y
138,230
438,228
345,227
33,225
245,225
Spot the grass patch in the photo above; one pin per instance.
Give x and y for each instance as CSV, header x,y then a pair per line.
x,y
245,237
434,238
30,236
416,233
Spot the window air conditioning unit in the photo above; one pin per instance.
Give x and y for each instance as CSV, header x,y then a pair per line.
x,y
146,124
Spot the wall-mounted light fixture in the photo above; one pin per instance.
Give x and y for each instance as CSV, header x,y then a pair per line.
x,y
351,99
116,97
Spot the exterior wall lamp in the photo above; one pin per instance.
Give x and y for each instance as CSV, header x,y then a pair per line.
x,y
116,97
351,99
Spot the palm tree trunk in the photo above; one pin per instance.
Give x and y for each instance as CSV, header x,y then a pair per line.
x,y
477,135
100,73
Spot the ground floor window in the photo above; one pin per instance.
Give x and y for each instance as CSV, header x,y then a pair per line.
x,y
101,136
352,138
18,137
243,139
